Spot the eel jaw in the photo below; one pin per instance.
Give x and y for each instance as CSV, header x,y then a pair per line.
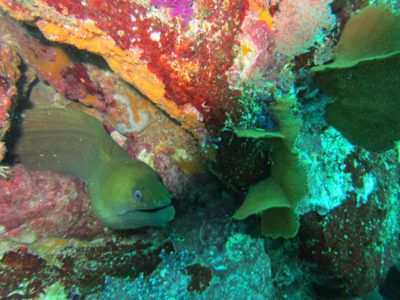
x,y
135,218
152,210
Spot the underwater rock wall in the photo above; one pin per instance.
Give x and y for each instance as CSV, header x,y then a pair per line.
x,y
136,124
152,49
140,127
349,228
10,73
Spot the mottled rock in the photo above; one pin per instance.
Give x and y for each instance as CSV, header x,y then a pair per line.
x,y
37,205
184,56
9,75
354,245
80,269
154,47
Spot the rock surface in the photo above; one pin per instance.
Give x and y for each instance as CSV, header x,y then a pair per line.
x,y
171,80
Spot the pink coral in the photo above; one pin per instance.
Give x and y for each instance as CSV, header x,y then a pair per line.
x,y
181,8
42,205
301,24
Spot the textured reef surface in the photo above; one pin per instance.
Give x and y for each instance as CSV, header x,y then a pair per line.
x,y
272,123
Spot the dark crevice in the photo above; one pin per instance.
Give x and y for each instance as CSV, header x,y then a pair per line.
x,y
21,103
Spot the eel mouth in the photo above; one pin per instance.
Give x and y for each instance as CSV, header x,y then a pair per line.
x,y
137,218
153,210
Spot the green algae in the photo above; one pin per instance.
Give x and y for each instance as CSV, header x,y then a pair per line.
x,y
365,80
277,197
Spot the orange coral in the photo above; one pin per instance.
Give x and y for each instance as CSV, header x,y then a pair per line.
x,y
180,68
125,63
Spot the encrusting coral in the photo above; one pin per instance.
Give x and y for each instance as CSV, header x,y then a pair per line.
x,y
9,75
161,55
300,25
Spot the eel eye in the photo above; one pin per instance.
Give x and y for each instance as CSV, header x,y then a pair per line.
x,y
137,195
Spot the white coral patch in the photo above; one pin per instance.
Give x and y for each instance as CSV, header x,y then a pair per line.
x,y
144,118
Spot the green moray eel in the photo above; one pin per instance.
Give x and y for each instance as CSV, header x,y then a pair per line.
x,y
125,193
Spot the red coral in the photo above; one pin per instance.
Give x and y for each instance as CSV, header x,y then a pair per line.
x,y
200,278
5,100
78,83
171,54
300,24
9,75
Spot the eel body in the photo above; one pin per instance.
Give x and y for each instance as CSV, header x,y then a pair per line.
x,y
125,193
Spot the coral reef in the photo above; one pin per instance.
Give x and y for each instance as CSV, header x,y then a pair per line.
x,y
204,281
354,218
278,197
206,257
300,25
9,75
36,205
149,134
239,106
145,47
75,268
354,258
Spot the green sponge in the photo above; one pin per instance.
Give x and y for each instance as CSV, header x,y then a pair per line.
x,y
365,80
277,197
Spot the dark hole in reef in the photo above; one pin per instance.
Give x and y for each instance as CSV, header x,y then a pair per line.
x,y
242,162
22,103
390,288
22,99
